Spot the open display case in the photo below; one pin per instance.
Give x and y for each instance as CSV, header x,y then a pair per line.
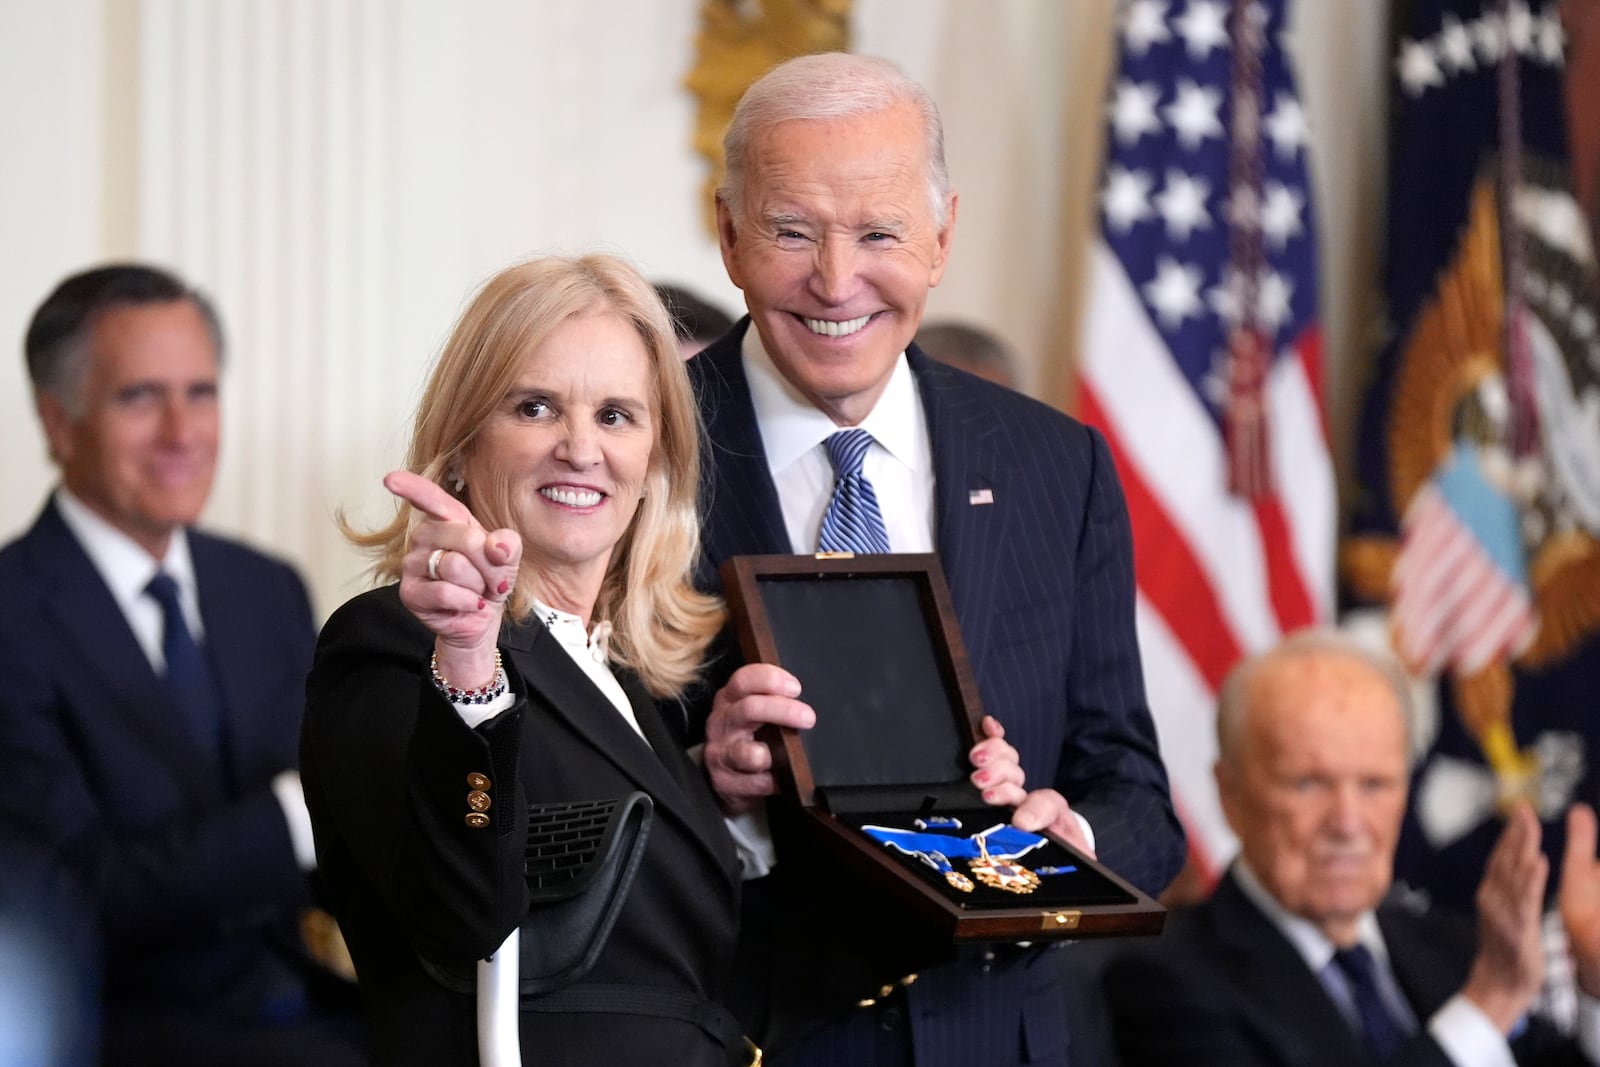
x,y
882,778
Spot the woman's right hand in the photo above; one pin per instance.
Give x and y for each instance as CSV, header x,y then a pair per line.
x,y
463,600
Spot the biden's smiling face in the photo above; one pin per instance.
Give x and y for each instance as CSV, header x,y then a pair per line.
x,y
836,246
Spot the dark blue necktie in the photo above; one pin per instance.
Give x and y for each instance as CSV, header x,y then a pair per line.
x,y
1361,972
188,677
852,522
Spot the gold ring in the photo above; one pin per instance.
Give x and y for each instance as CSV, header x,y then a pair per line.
x,y
433,563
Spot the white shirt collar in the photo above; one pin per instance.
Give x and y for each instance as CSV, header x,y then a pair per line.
x,y
568,630
123,563
1309,941
791,425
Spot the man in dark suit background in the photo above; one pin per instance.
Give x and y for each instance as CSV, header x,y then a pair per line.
x,y
835,220
1295,959
151,684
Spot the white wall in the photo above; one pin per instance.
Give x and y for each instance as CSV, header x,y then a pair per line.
x,y
51,219
341,173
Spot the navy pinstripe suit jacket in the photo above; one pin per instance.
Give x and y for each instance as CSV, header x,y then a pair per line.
x,y
1042,581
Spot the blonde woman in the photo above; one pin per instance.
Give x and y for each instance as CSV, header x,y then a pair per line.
x,y
538,605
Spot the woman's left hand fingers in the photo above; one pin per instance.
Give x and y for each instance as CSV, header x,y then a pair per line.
x,y
999,775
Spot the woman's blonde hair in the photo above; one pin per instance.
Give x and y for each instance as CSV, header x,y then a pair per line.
x,y
660,624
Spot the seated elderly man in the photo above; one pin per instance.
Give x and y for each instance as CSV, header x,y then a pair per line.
x,y
1296,958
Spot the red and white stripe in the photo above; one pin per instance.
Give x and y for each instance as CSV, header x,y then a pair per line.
x,y
1219,577
1453,605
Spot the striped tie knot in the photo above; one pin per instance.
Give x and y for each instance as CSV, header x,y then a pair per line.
x,y
846,450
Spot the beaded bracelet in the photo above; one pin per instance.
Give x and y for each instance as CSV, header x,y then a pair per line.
x,y
495,687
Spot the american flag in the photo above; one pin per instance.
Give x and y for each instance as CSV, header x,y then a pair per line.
x,y
1460,596
1201,362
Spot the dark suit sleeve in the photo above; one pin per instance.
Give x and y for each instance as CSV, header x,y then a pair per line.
x,y
1111,767
1162,1014
167,861
385,760
198,872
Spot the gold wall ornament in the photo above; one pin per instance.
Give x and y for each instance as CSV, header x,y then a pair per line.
x,y
739,41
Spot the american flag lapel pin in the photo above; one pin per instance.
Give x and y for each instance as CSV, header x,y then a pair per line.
x,y
980,496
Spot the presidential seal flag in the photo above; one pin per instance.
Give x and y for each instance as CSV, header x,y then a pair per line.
x,y
1478,521
1201,362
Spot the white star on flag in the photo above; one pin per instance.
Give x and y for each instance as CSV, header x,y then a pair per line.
x,y
1133,111
1490,38
1193,114
1417,68
1182,204
1224,297
1203,26
1455,45
1272,301
1174,292
1519,27
1552,38
1286,126
1144,23
1280,214
1126,198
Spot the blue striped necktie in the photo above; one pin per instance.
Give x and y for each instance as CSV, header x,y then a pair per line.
x,y
188,676
1381,1030
852,522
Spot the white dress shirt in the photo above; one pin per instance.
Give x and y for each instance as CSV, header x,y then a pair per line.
x,y
586,649
127,568
899,464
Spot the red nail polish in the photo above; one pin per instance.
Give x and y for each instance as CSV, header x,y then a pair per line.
x,y
481,603
504,584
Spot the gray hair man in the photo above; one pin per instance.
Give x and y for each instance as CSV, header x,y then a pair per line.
x,y
1297,958
836,220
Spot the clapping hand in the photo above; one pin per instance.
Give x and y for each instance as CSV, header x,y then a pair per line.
x,y
1509,969
1579,897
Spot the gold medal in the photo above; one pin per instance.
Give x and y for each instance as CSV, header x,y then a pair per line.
x,y
1001,872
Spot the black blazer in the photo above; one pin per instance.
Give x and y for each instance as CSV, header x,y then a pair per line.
x,y
1222,987
385,760
187,860
1041,572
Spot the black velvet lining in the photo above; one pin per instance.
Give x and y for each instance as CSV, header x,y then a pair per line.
x,y
868,661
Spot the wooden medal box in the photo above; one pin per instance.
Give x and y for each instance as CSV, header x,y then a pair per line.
x,y
875,644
